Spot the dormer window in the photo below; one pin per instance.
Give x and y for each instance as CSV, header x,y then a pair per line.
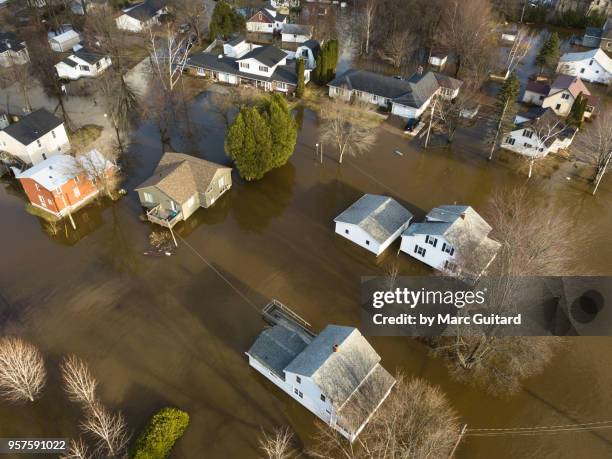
x,y
263,68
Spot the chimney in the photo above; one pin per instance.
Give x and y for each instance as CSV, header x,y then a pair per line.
x,y
335,348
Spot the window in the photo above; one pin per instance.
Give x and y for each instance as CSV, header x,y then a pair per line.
x,y
431,240
244,65
322,397
557,107
448,249
527,133
367,242
582,70
38,143
85,68
53,134
450,266
374,98
565,96
591,62
281,85
346,231
419,250
298,379
298,392
263,68
148,197
511,140
58,190
528,145
42,201
44,155
541,97
76,191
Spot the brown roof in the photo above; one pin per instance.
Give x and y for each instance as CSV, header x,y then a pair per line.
x,y
573,84
538,88
180,176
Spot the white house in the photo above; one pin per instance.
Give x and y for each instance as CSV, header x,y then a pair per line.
x,y
560,95
12,50
336,375
265,67
438,60
35,137
373,222
141,16
407,98
309,51
238,47
594,66
64,41
296,33
452,239
537,137
266,20
276,4
83,63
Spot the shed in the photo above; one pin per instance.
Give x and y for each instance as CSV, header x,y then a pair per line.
x,y
64,41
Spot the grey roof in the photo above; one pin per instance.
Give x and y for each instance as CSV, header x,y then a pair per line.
x,y
69,62
297,29
268,55
9,41
313,44
33,126
447,82
146,10
276,347
338,360
89,56
379,216
593,32
236,41
413,92
180,176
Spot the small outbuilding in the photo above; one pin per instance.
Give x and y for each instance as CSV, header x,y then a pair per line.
x,y
373,222
65,41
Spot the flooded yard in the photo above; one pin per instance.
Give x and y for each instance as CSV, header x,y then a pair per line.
x,y
173,330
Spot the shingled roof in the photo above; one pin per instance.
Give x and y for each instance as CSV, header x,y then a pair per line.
x,y
379,216
268,55
179,176
33,126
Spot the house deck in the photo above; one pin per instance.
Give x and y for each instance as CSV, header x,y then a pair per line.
x,y
164,217
276,313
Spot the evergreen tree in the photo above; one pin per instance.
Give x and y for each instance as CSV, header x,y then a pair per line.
x,y
576,115
315,75
225,21
249,144
283,130
506,103
549,52
326,61
299,70
509,91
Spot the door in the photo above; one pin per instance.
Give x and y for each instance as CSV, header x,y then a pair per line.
x,y
174,206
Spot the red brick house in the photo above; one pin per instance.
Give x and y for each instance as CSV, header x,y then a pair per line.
x,y
61,183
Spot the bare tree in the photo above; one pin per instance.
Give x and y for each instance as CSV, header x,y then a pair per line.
x,y
517,52
534,241
109,430
169,53
599,148
416,421
277,445
467,31
79,383
369,8
398,46
544,132
348,127
192,12
77,449
22,370
391,272
227,100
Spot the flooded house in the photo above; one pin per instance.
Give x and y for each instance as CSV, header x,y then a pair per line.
x,y
452,239
180,185
408,98
84,63
373,222
266,20
136,18
35,137
594,66
64,40
296,33
336,375
62,184
265,67
560,95
13,51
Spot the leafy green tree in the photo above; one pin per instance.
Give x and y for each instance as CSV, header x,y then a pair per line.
x,y
299,70
160,435
283,130
249,144
225,21
261,138
576,115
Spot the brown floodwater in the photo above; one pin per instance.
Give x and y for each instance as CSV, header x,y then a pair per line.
x,y
173,331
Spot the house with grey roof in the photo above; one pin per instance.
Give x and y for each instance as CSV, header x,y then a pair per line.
x,y
266,20
13,51
34,138
136,18
180,185
373,222
336,375
453,239
265,67
407,98
84,63
296,33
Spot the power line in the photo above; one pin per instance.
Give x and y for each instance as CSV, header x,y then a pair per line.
x,y
545,427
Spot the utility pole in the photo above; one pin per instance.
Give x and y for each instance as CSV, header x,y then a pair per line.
x,y
433,108
452,453
602,172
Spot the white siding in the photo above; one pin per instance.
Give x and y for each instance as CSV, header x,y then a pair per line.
x,y
586,69
531,97
434,256
33,153
558,104
357,235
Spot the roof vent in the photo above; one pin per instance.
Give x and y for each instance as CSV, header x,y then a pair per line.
x,y
335,347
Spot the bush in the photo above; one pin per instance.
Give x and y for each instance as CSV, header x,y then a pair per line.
x,y
163,430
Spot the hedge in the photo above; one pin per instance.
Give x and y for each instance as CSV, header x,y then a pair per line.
x,y
158,438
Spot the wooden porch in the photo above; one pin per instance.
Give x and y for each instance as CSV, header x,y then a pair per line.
x,y
163,217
